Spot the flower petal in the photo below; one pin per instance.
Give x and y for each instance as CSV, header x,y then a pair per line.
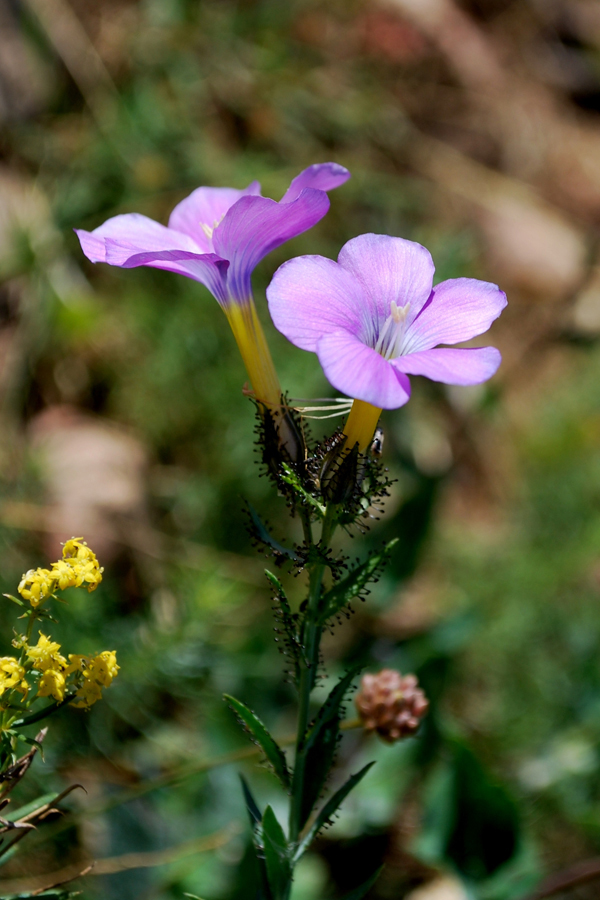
x,y
458,310
451,366
132,233
254,226
356,370
321,177
206,206
390,268
207,268
310,296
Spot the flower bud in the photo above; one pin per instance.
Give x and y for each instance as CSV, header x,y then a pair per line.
x,y
391,704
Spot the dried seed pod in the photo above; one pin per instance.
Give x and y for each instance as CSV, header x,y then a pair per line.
x,y
391,704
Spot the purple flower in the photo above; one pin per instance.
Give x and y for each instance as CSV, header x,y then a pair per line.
x,y
373,318
217,235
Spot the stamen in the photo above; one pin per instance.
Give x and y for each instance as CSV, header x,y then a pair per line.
x,y
208,229
391,336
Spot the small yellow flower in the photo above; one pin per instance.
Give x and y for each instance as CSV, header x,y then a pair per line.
x,y
45,655
77,549
103,668
77,663
98,672
12,676
88,694
91,573
78,565
52,684
36,585
66,575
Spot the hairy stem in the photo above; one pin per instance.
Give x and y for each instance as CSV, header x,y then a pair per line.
x,y
310,662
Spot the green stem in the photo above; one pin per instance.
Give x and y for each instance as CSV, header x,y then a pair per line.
x,y
312,641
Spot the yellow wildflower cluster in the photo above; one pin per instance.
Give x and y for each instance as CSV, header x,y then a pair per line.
x,y
12,676
51,665
91,673
98,672
77,567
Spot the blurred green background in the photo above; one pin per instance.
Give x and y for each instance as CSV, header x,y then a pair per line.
x,y
471,127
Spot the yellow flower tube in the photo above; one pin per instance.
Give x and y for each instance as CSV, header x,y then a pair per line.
x,y
250,338
361,424
252,343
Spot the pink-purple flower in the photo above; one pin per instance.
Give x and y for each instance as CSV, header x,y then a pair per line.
x,y
217,235
373,318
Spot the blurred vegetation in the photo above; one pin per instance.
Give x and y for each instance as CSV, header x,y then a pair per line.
x,y
472,128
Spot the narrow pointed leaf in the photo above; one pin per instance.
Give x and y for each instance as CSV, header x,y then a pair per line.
x,y
359,892
251,805
330,808
259,732
289,476
255,823
321,742
353,584
331,708
260,532
288,622
277,855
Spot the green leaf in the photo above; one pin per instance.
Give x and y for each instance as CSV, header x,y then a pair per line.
x,y
255,822
258,730
33,743
320,744
14,814
14,599
359,892
51,894
288,475
353,584
288,621
260,532
331,807
277,855
251,805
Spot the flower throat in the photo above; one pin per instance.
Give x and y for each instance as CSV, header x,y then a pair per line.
x,y
391,337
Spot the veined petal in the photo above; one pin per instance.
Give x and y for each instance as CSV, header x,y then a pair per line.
x,y
207,268
458,310
390,268
356,370
451,366
254,226
310,296
206,206
133,233
321,177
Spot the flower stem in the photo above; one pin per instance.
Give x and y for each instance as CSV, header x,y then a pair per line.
x,y
310,662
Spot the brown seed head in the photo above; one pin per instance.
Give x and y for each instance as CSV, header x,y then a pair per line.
x,y
391,704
